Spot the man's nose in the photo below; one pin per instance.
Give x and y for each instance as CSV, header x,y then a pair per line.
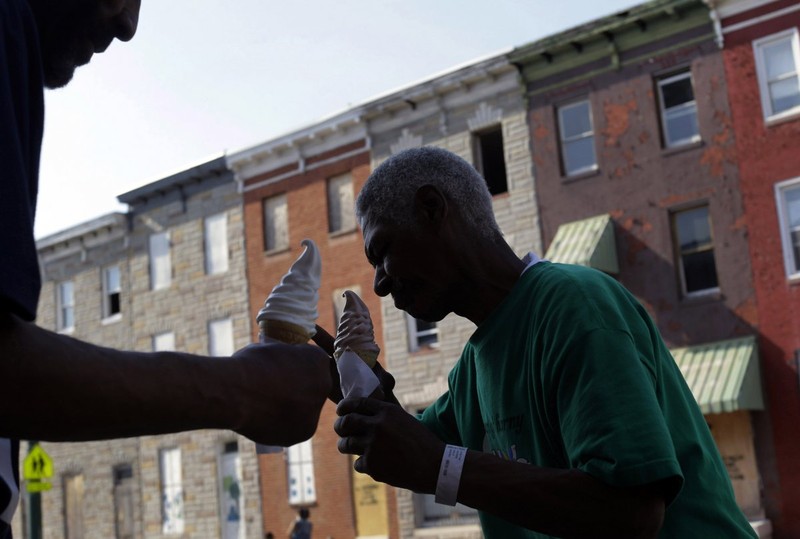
x,y
383,283
127,20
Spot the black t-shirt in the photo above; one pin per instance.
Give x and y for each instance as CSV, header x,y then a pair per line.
x,y
21,127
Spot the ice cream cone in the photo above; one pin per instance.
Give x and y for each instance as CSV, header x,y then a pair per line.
x,y
285,332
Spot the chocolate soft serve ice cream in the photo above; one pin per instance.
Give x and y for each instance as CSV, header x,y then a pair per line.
x,y
290,312
355,331
355,350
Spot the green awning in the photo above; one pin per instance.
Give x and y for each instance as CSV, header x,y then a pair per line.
x,y
723,376
589,242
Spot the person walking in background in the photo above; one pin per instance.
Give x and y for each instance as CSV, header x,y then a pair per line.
x,y
301,527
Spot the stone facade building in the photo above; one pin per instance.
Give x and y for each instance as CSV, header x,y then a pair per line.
x,y
167,275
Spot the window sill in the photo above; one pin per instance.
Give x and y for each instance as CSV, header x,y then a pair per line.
x,y
700,298
433,529
581,175
783,117
277,251
340,233
425,349
672,150
113,319
66,331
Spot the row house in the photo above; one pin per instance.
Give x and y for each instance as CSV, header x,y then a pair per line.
x,y
633,148
302,186
167,275
761,53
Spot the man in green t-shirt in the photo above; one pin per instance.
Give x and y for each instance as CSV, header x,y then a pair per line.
x,y
565,416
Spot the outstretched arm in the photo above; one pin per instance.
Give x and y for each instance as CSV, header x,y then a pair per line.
x,y
61,389
396,448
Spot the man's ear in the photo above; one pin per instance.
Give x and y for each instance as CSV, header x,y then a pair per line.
x,y
430,206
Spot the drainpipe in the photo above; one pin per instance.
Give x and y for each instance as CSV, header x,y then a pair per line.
x,y
715,20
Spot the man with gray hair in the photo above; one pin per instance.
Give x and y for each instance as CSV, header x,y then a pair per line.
x,y
565,415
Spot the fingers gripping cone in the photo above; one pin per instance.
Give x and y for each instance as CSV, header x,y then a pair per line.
x,y
290,311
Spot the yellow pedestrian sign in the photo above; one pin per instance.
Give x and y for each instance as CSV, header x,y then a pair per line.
x,y
36,468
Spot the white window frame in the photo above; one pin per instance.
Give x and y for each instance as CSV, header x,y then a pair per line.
x,y
173,518
761,71
164,342
160,261
221,342
414,334
791,265
231,492
65,302
680,254
564,140
108,290
215,240
300,472
341,204
683,109
278,240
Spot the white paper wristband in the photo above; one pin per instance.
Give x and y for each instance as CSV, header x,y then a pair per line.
x,y
450,474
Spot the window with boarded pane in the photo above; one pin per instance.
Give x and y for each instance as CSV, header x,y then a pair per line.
x,y
124,487
489,158
678,109
220,338
695,251
230,492
73,507
164,342
216,243
788,201
65,297
300,472
160,261
577,138
778,68
341,204
112,290
173,519
276,223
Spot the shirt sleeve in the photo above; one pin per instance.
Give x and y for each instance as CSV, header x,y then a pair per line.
x,y
610,419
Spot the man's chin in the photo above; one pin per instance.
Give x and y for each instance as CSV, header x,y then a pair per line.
x,y
58,77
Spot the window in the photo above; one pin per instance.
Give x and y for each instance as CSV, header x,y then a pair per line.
x,y
73,506
678,109
276,223
421,334
778,66
695,249
123,501
66,306
220,338
230,492
111,292
487,147
160,263
164,342
788,201
577,138
216,243
341,204
300,463
172,515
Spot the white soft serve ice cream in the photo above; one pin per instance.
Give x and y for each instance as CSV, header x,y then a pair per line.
x,y
355,330
294,300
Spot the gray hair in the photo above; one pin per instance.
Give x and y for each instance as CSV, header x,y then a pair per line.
x,y
389,191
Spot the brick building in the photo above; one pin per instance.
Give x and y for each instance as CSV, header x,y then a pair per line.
x,y
761,55
633,153
168,275
302,185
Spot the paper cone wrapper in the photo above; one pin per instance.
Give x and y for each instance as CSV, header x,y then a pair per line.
x,y
284,332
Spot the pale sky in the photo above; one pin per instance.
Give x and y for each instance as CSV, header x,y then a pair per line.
x,y
206,76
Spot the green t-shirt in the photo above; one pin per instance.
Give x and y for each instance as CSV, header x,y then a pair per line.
x,y
570,372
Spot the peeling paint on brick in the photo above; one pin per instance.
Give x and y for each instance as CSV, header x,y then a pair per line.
x,y
617,117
